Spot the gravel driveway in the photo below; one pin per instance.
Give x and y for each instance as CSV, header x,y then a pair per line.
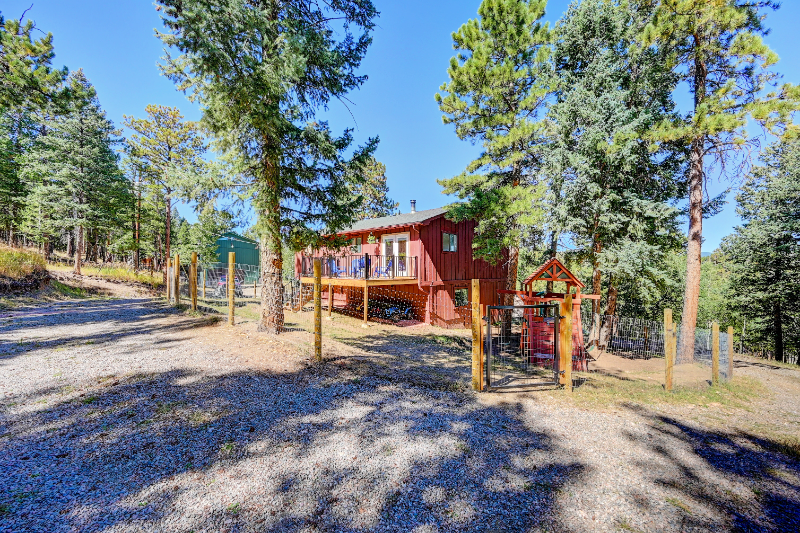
x,y
123,415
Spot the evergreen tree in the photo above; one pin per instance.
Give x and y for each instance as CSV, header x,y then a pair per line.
x,y
373,192
28,84
765,250
163,146
498,87
260,70
77,183
615,187
717,48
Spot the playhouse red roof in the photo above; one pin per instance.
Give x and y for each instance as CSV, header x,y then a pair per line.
x,y
554,270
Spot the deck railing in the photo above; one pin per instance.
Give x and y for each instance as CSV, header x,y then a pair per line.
x,y
362,266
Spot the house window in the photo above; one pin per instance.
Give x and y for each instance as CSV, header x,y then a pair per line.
x,y
461,297
449,242
355,245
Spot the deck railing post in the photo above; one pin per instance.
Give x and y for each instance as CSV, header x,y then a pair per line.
x,y
366,276
330,301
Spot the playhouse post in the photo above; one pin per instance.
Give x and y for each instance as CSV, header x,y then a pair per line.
x,y
715,354
565,343
730,353
476,335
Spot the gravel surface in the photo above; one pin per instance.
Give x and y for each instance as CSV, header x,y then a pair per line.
x,y
123,415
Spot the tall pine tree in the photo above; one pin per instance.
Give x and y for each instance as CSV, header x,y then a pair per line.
x,y
717,48
373,192
261,69
73,166
615,187
499,82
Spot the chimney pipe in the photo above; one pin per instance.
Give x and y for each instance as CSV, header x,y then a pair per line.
x,y
413,206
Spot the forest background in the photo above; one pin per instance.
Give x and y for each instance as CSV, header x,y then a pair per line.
x,y
723,297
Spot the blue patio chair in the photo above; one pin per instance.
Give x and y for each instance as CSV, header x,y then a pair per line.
x,y
384,272
357,265
335,270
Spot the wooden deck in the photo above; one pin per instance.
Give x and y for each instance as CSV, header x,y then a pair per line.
x,y
361,282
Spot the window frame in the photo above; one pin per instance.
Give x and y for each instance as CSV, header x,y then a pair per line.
x,y
449,242
354,247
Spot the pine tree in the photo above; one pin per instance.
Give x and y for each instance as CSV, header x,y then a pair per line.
x,y
373,192
615,187
28,84
498,87
765,250
717,48
261,69
163,146
78,185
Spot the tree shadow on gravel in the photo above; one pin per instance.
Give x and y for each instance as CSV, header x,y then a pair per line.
x,y
738,481
340,446
20,334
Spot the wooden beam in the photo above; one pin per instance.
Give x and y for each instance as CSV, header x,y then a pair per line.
x,y
715,354
476,335
565,344
730,353
330,301
231,287
177,272
193,281
366,305
317,310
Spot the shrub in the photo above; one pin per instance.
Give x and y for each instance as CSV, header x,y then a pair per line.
x,y
18,264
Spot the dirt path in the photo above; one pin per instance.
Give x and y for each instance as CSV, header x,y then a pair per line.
x,y
124,415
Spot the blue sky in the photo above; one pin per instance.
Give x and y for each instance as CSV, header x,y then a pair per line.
x,y
114,43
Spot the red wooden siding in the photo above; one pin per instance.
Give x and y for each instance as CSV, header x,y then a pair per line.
x,y
437,266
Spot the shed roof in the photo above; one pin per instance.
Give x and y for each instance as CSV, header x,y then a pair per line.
x,y
404,219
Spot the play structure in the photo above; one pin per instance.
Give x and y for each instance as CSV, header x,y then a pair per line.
x,y
538,330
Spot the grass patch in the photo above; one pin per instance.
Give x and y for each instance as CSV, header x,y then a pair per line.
x,y
116,273
17,264
675,502
88,400
787,445
67,290
234,508
603,390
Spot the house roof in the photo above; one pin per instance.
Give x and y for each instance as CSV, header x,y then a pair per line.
x,y
404,219
236,237
554,270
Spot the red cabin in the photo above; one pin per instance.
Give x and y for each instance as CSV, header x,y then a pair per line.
x,y
420,258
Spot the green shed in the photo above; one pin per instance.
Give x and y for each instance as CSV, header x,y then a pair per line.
x,y
246,249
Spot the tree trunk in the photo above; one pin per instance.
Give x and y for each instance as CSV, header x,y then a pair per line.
x,y
776,313
168,202
553,249
137,257
271,255
691,295
78,249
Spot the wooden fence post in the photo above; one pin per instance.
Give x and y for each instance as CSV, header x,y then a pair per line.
x,y
477,383
317,309
565,343
715,354
168,288
330,301
231,286
177,272
193,281
669,361
730,353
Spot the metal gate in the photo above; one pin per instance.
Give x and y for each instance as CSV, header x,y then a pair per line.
x,y
521,346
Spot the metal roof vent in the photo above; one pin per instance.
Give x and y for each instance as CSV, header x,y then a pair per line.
x,y
413,206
